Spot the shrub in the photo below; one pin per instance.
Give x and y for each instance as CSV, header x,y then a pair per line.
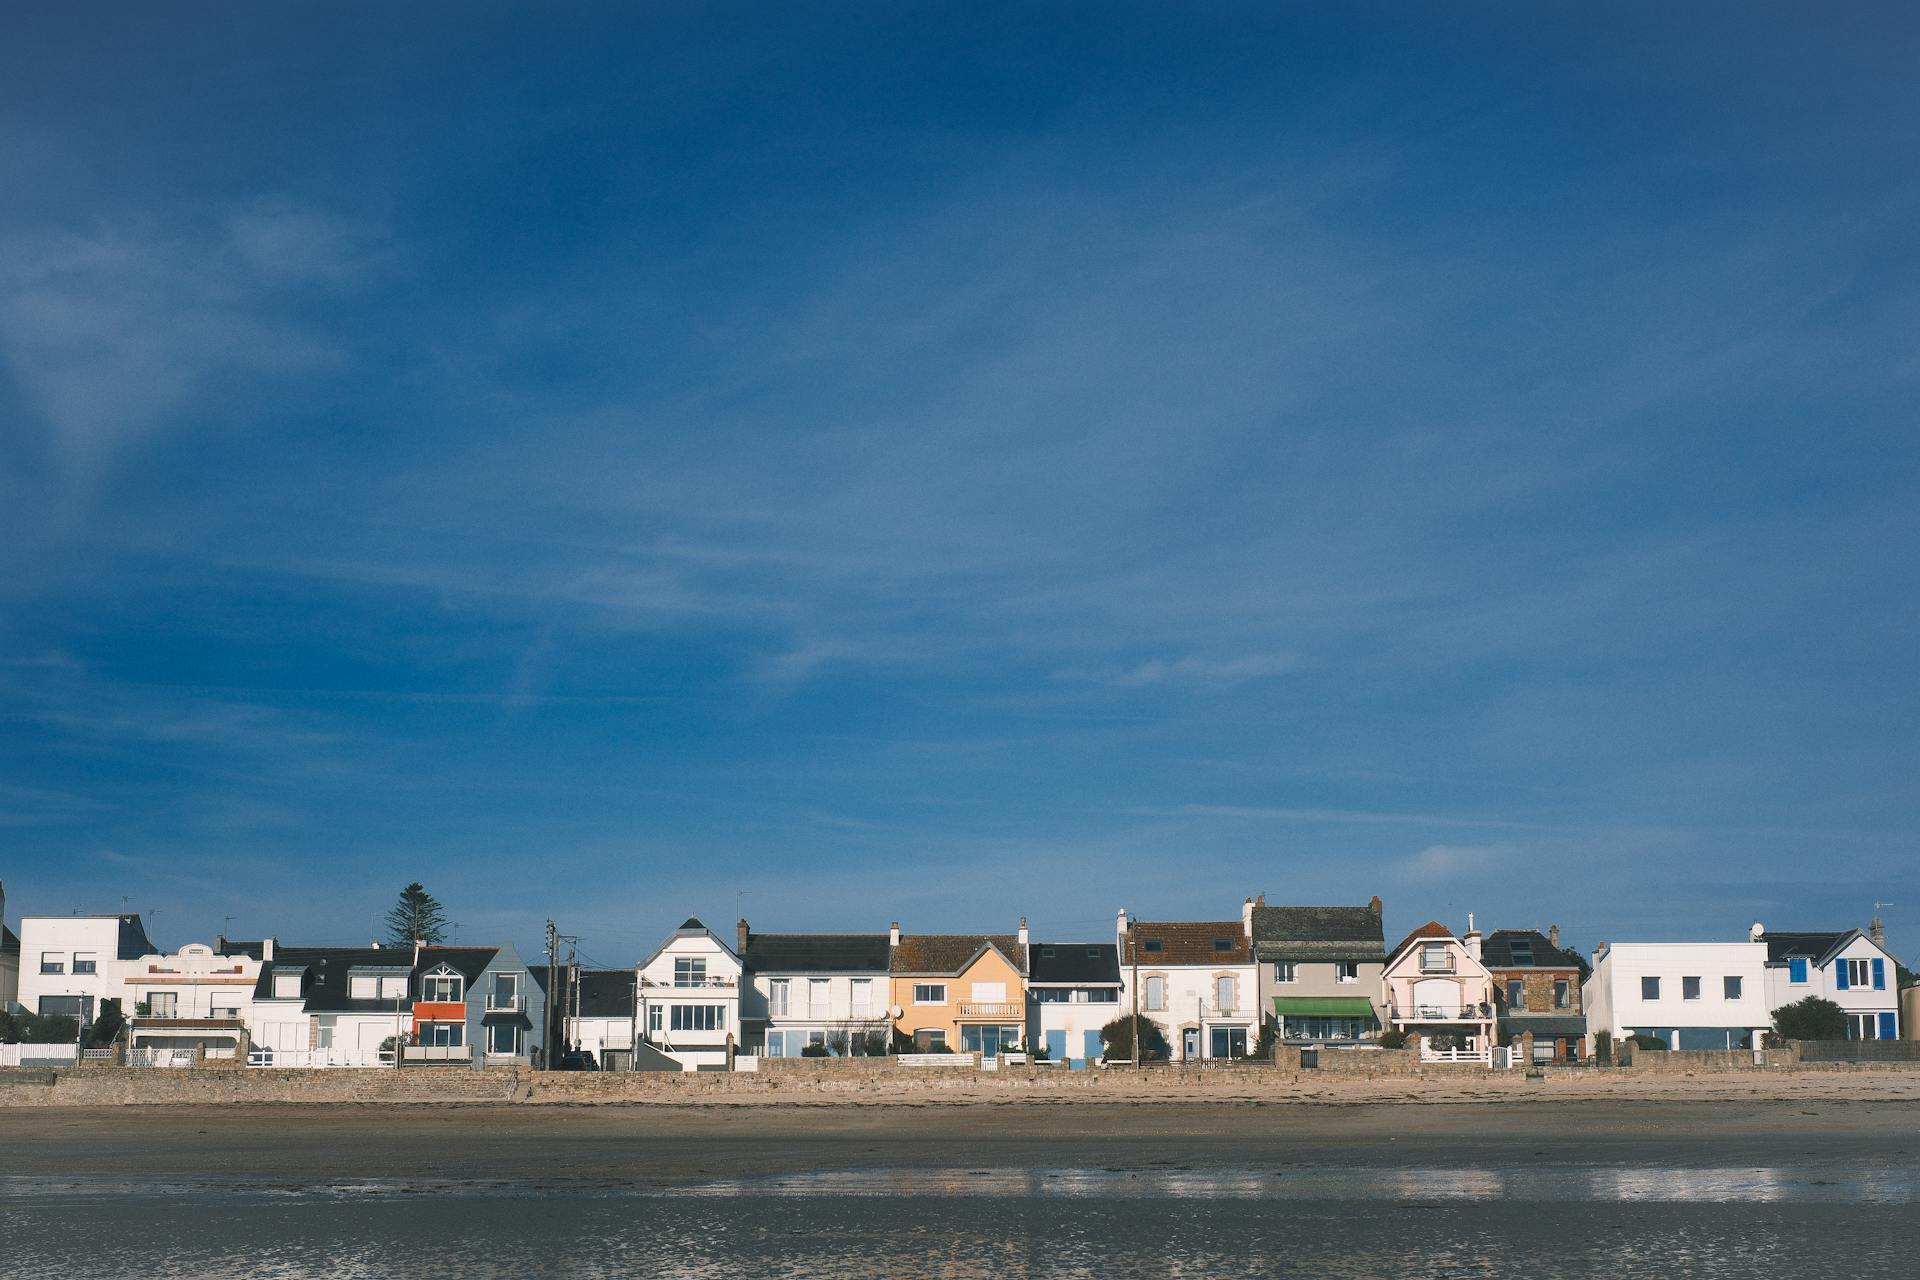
x,y
814,1051
107,1025
1811,1019
1117,1040
1393,1038
1641,1040
9,1028
1269,1037
51,1028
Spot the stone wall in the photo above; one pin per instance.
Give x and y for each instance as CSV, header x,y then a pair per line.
x,y
1856,1050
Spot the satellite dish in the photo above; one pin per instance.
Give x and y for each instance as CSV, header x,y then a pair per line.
x,y
895,1012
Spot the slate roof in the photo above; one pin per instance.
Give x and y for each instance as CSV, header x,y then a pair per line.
x,y
9,941
1782,947
817,952
1545,1024
1496,952
226,946
1188,942
1318,933
606,993
1080,964
950,953
325,984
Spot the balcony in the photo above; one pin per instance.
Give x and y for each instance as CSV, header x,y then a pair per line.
x,y
1003,1009
439,1053
708,984
1224,1013
1437,964
498,1003
1442,1013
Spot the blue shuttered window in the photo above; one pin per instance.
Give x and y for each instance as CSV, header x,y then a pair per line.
x,y
1879,975
1796,970
1840,975
1888,1028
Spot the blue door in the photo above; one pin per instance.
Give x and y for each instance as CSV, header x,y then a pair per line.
x,y
1056,1046
1094,1048
1889,1028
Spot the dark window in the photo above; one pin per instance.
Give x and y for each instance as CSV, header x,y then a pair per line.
x,y
1522,952
1516,994
1046,953
1223,944
1649,988
1154,946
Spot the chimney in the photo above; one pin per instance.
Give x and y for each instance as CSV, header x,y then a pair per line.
x,y
1472,939
1553,934
1120,923
266,949
1260,899
1023,931
742,933
1756,933
1373,904
1875,930
1246,917
893,935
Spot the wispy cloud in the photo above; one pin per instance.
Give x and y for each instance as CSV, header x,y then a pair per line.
x,y
1188,670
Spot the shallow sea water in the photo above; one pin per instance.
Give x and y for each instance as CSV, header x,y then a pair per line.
x,y
1557,1220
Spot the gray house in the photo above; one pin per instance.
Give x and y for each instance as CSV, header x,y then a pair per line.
x,y
1320,971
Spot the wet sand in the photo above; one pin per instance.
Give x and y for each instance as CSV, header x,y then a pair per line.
x,y
1553,1188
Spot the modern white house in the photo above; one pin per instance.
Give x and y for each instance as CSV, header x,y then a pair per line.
x,y
1073,990
826,990
188,1004
689,994
1688,995
1197,979
70,964
601,1016
1851,968
1434,985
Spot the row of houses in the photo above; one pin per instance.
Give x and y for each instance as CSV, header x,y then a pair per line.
x,y
1318,976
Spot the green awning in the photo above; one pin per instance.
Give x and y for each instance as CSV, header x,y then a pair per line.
x,y
1323,1006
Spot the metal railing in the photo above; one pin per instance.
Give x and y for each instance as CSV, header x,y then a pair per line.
x,y
261,1056
1442,1012
497,1003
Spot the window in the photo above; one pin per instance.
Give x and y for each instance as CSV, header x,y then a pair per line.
x,y
53,962
863,995
1223,993
1228,1042
816,1038
83,963
689,971
1797,970
1731,988
1522,952
1346,971
443,1034
1861,1026
1649,988
776,1044
1859,974
656,1019
1156,992
1689,988
443,986
819,997
696,1017
80,1007
503,1037
1103,995
779,991
1563,993
286,984
506,992
1285,971
323,1029
927,1039
930,993
1516,993
163,1004
363,986
1434,958
393,986
1046,953
1153,946
989,993
223,1006
1223,944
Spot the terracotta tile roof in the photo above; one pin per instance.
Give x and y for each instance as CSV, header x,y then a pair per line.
x,y
1188,942
948,953
1431,929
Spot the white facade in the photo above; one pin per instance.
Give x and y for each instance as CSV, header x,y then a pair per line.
x,y
1847,968
1197,980
832,1010
690,999
69,964
1692,995
1434,986
193,1000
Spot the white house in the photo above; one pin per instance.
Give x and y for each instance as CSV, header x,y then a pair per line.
x,y
601,1016
690,999
329,1006
822,989
1690,995
188,1002
1435,985
1197,979
1073,990
1850,968
69,964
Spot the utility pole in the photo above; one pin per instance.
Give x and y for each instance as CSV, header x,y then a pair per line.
x,y
1133,949
553,988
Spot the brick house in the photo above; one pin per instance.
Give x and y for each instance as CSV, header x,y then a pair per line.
x,y
1536,994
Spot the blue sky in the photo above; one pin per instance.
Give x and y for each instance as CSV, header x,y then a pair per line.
x,y
851,464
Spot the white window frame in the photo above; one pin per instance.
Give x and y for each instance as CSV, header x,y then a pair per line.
x,y
443,986
929,993
1733,987
689,972
85,963
779,997
53,962
1698,987
158,1000
443,1034
1859,974
1154,995
1226,993
862,995
1286,971
1346,971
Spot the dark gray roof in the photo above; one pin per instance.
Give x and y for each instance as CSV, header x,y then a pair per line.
x,y
817,952
325,985
226,946
1545,1024
1496,952
134,941
1084,964
1782,947
9,941
606,993
1318,933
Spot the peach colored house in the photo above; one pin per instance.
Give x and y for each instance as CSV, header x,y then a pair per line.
x,y
1435,986
961,991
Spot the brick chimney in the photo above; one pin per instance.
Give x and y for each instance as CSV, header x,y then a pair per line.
x,y
1260,899
893,935
741,932
1553,934
1876,930
1373,904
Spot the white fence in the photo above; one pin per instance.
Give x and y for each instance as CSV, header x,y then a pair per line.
x,y
1430,1054
38,1055
160,1057
306,1059
935,1059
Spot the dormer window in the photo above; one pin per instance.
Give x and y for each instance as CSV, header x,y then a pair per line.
x,y
1154,946
286,984
443,986
1046,953
1522,952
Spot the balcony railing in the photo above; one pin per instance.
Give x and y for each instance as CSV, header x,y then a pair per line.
x,y
1223,1013
1442,965
498,1003
439,1053
702,985
1002,1009
1442,1012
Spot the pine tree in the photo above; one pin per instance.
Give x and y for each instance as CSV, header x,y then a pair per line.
x,y
416,917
